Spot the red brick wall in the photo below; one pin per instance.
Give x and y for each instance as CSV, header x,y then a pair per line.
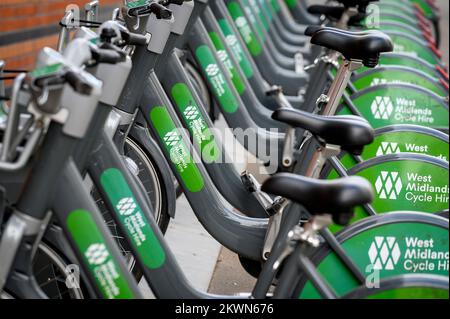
x,y
18,16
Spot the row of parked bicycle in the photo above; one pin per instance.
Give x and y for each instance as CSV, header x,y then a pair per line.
x,y
345,104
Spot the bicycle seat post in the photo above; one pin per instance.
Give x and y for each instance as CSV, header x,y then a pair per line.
x,y
320,158
339,85
346,16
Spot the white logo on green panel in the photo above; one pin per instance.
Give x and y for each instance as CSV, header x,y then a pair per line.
x,y
387,148
97,254
241,22
212,70
389,185
244,28
384,253
191,113
231,40
399,48
172,138
233,43
126,206
377,81
223,56
382,108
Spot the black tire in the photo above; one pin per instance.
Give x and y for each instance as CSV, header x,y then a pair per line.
x,y
360,227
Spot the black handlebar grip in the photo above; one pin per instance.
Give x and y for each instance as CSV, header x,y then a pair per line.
x,y
134,38
107,56
177,2
160,11
312,29
78,83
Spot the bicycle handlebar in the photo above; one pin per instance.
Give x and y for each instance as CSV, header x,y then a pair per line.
x,y
160,11
177,2
134,38
78,82
107,55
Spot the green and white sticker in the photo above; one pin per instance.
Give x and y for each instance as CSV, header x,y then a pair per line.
x,y
216,78
195,122
407,142
253,19
259,13
133,219
227,63
398,76
236,48
275,5
400,104
291,3
407,61
267,10
403,185
46,70
244,29
388,250
91,243
178,151
131,4
405,45
396,142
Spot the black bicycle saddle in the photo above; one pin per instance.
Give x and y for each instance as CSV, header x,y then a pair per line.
x,y
337,197
353,45
350,132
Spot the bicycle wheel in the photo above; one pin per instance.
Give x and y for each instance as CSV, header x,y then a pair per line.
x,y
383,246
50,271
